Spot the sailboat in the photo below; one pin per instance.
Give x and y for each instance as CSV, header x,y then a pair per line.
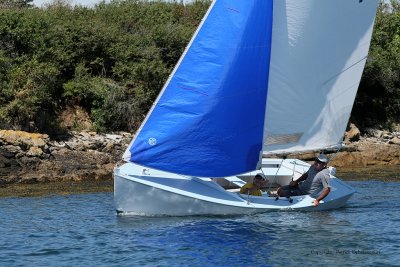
x,y
259,78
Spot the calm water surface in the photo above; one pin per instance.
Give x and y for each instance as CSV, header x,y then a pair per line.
x,y
83,230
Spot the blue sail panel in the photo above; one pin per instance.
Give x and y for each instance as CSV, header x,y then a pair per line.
x,y
208,120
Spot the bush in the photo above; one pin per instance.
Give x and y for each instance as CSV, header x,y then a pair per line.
x,y
378,99
112,60
27,99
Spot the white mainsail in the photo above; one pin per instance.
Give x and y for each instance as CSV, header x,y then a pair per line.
x,y
319,49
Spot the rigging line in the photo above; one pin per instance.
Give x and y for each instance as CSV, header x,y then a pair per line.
x,y
294,168
349,67
276,173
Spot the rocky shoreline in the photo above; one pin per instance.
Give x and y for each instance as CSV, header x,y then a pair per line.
x,y
27,158
35,158
373,148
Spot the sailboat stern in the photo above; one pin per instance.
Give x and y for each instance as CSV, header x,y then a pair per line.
x,y
340,193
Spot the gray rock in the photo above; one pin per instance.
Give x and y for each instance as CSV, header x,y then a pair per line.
x,y
394,141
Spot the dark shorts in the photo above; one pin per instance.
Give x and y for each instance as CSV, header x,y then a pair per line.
x,y
289,190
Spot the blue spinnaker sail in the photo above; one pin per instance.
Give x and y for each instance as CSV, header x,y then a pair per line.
x,y
208,120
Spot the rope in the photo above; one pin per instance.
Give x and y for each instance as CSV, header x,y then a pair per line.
x,y
274,179
294,168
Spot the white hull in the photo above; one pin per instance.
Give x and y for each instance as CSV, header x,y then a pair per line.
x,y
143,191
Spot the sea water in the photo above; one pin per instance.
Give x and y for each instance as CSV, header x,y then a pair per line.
x,y
84,230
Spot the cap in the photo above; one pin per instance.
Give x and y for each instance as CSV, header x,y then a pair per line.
x,y
322,158
261,175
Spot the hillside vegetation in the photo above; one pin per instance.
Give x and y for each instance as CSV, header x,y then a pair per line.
x,y
71,68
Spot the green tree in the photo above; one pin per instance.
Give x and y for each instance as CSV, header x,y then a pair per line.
x,y
111,60
378,99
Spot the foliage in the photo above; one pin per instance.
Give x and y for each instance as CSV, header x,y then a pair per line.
x,y
378,99
114,58
111,59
